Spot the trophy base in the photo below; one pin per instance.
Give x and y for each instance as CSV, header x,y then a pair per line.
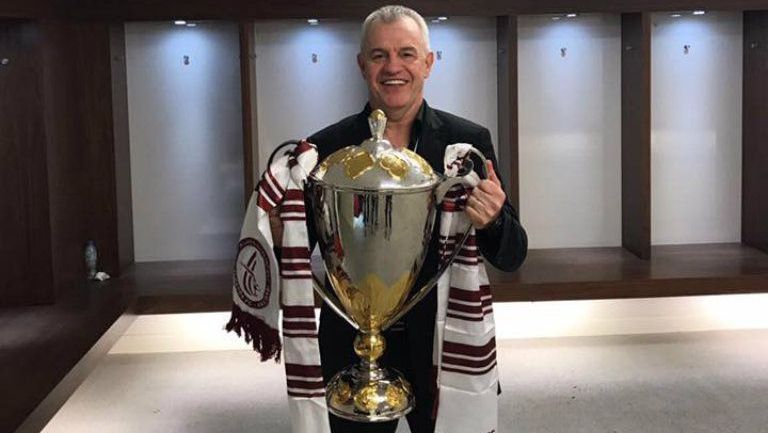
x,y
369,394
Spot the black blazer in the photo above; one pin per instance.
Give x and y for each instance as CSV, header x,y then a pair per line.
x,y
504,245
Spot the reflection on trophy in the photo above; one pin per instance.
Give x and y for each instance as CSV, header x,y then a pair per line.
x,y
374,209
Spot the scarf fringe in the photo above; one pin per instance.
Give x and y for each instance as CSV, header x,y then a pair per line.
x,y
266,341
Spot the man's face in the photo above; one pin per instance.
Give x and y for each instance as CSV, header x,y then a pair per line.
x,y
395,63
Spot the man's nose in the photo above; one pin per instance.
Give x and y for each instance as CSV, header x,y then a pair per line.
x,y
393,64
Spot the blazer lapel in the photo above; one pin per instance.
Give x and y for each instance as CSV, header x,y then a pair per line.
x,y
433,140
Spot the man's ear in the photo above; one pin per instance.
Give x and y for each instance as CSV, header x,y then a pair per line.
x,y
430,61
361,63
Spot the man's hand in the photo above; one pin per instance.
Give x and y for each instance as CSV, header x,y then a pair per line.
x,y
485,203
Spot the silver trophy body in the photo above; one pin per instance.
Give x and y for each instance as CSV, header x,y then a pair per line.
x,y
374,210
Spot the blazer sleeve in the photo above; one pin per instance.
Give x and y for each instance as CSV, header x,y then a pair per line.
x,y
504,242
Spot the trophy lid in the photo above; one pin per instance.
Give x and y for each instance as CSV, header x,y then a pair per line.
x,y
375,164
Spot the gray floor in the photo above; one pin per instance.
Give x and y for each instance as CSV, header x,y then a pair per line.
x,y
701,382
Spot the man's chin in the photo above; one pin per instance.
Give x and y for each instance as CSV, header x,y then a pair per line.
x,y
394,106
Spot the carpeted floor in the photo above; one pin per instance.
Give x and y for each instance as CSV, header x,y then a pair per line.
x,y
698,382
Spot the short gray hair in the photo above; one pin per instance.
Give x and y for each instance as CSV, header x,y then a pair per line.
x,y
390,14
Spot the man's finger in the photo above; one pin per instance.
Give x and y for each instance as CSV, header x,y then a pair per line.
x,y
475,202
481,194
488,186
474,216
491,172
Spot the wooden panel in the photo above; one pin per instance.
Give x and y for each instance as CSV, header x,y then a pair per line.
x,y
547,274
26,8
601,273
182,277
122,159
754,223
74,95
180,304
94,121
266,9
636,133
248,92
25,249
80,147
41,344
506,72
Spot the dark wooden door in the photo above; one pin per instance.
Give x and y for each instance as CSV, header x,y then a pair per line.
x,y
25,269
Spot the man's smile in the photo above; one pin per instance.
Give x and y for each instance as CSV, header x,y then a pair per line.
x,y
393,82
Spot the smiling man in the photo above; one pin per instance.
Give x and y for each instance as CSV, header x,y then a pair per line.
x,y
395,62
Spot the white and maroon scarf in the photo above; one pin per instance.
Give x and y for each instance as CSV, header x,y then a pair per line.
x,y
258,293
465,333
464,351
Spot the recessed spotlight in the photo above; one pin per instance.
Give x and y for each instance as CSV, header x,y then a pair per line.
x,y
442,18
556,18
699,12
191,24
676,15
313,21
434,21
180,23
572,15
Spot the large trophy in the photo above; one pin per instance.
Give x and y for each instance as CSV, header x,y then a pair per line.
x,y
374,209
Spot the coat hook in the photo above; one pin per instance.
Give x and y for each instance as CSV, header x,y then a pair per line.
x,y
629,48
686,49
563,51
314,58
439,55
186,60
754,45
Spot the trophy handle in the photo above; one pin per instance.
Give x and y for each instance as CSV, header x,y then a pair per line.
x,y
332,301
465,180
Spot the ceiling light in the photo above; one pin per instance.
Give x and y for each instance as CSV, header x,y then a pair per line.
x,y
191,24
555,18
180,23
676,15
572,15
699,12
313,21
442,18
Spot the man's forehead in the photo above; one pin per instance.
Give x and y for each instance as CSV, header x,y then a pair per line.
x,y
399,34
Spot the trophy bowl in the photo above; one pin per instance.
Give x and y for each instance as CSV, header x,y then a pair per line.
x,y
374,209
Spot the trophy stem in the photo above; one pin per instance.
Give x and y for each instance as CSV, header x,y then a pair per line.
x,y
369,346
367,392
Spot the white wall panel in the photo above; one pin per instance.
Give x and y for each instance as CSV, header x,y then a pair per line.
x,y
463,80
696,128
570,130
186,140
297,96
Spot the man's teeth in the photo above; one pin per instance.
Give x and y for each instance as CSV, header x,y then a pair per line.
x,y
394,82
